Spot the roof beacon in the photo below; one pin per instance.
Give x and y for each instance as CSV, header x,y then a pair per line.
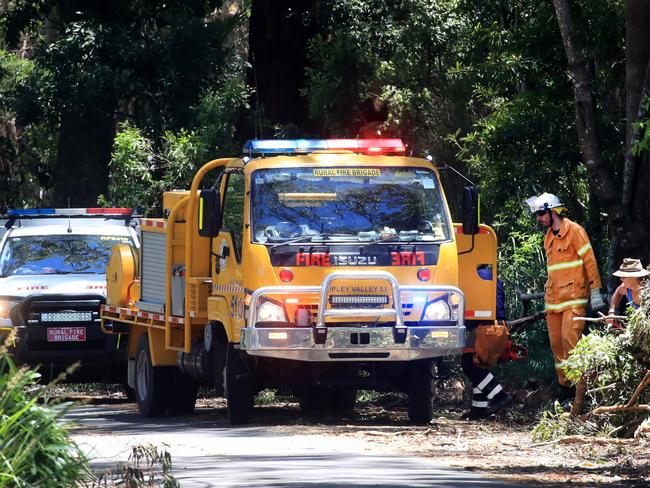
x,y
303,146
45,212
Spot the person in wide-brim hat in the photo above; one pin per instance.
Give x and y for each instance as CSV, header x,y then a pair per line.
x,y
631,273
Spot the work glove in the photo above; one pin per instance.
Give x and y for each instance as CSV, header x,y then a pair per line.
x,y
596,300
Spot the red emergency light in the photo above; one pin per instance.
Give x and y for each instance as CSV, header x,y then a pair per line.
x,y
304,146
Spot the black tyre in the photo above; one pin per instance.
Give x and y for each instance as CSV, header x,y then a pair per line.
x,y
183,393
313,401
239,390
420,391
128,392
151,382
343,401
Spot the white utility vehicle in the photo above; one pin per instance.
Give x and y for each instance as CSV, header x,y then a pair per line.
x,y
52,282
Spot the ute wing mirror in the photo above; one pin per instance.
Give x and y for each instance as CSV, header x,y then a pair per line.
x,y
209,212
470,210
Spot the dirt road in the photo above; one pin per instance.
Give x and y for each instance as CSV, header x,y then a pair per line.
x,y
377,447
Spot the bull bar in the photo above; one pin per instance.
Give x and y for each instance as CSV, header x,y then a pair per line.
x,y
398,342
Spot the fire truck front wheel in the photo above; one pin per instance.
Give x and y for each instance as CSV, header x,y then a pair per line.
x,y
420,390
240,395
151,382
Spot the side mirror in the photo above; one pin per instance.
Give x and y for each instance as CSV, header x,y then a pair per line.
x,y
470,210
209,212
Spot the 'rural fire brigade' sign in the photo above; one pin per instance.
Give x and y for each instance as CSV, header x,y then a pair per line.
x,y
66,334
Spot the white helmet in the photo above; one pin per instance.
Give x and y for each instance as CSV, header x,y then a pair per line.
x,y
546,201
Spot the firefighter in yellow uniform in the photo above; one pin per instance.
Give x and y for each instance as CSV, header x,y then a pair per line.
x,y
573,280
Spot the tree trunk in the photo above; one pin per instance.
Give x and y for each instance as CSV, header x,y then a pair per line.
x,y
81,170
279,32
636,235
599,176
628,211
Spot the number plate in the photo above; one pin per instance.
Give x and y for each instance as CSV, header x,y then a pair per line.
x,y
66,334
66,316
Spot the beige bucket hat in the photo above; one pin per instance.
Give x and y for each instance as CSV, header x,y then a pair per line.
x,y
631,268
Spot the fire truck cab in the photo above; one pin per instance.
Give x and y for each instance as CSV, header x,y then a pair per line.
x,y
314,267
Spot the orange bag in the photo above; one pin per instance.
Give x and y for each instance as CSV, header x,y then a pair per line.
x,y
491,343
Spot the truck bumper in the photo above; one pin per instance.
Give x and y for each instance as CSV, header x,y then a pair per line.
x,y
101,357
392,340
353,343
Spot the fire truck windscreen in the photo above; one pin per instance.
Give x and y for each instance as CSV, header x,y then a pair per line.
x,y
348,204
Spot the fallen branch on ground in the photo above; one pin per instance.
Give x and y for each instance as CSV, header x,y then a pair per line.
x,y
583,439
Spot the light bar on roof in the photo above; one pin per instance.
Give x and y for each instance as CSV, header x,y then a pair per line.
x,y
36,212
301,146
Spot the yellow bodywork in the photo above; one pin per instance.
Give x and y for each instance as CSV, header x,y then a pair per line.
x,y
218,289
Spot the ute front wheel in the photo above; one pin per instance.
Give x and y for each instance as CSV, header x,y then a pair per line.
x,y
239,390
420,391
151,382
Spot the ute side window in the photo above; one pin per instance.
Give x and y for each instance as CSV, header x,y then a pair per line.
x,y
233,209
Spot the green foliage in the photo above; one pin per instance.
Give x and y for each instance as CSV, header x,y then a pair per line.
x,y
35,448
384,57
147,467
217,113
607,363
24,151
612,364
161,66
638,326
139,174
556,423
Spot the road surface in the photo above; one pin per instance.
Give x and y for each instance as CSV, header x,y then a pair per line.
x,y
280,450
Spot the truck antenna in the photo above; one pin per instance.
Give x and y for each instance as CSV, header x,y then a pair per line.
x,y
69,219
257,124
447,166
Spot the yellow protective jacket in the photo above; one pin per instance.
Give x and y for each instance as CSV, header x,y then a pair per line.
x,y
572,268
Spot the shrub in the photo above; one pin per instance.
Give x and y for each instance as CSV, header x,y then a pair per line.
x,y
35,449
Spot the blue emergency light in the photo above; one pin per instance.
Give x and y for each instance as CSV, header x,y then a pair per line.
x,y
303,146
36,212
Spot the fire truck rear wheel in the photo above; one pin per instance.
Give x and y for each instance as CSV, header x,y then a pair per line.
x,y
240,395
151,382
420,391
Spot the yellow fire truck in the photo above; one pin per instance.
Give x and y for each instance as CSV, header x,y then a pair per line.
x,y
314,267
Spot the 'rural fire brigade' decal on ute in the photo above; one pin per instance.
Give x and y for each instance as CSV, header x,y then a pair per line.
x,y
409,257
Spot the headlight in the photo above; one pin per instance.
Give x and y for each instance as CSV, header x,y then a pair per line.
x,y
438,310
271,312
5,311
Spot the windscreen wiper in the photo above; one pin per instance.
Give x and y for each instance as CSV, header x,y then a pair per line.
x,y
297,239
311,236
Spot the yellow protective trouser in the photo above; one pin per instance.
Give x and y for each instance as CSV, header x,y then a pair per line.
x,y
564,334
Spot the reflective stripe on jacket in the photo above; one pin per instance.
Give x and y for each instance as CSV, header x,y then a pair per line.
x,y
571,265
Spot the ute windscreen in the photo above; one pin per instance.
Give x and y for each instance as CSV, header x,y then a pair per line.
x,y
57,254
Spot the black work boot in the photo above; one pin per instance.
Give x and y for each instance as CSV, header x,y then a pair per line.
x,y
475,413
499,402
